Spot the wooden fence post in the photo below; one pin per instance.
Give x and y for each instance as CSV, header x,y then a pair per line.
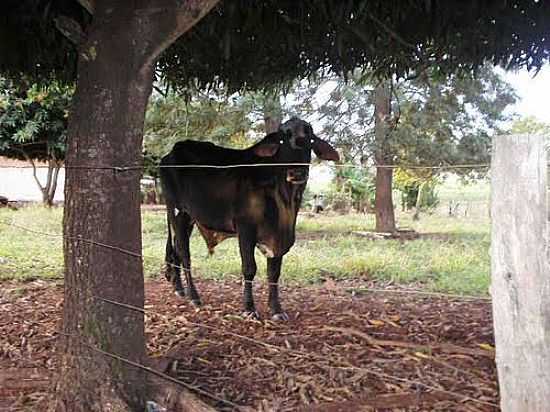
x,y
520,272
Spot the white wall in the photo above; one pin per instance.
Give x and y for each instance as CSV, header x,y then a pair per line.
x,y
19,184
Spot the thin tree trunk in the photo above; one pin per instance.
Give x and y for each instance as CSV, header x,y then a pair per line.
x,y
273,115
52,184
385,215
419,199
115,73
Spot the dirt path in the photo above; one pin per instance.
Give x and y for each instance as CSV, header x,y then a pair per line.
x,y
373,352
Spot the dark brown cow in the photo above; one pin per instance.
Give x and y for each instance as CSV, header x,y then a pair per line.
x,y
258,204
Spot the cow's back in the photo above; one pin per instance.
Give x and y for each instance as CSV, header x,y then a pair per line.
x,y
210,196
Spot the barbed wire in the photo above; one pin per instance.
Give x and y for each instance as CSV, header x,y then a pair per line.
x,y
246,165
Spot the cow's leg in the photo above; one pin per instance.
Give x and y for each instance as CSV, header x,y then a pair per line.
x,y
172,258
273,273
247,243
184,226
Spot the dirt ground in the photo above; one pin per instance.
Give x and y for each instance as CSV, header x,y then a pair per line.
x,y
339,352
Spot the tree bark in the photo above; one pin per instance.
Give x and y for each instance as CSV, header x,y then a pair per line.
x,y
102,206
520,272
385,215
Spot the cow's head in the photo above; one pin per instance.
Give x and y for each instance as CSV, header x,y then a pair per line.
x,y
293,143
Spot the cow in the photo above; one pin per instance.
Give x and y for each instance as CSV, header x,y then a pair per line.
x,y
254,194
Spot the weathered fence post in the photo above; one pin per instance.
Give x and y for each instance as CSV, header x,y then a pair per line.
x,y
520,272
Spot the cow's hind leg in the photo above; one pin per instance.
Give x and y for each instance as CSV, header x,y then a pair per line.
x,y
182,233
185,227
247,243
172,259
273,274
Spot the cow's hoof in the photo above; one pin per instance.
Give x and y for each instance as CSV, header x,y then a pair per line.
x,y
180,293
252,315
196,302
282,316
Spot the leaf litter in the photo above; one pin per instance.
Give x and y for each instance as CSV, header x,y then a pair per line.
x,y
374,351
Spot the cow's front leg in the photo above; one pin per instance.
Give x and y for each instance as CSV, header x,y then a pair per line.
x,y
273,273
247,243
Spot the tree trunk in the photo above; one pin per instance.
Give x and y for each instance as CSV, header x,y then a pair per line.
x,y
273,115
115,74
419,200
48,190
53,183
385,216
520,270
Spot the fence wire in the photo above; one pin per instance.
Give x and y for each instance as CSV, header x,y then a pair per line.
x,y
183,269
247,165
310,355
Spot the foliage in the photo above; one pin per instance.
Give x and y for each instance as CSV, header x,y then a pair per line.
x,y
208,117
358,184
437,120
33,122
261,44
530,124
413,185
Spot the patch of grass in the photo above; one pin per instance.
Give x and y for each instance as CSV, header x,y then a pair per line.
x,y
451,255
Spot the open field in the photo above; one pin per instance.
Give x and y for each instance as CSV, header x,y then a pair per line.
x,y
450,255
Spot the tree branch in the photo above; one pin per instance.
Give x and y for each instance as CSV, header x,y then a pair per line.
x,y
70,29
170,22
89,5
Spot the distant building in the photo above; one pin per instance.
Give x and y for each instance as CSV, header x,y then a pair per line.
x,y
17,181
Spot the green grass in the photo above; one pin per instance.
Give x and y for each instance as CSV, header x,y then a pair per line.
x,y
451,255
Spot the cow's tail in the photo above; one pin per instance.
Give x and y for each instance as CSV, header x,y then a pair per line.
x,y
170,253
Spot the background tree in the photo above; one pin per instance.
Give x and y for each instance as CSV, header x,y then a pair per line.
x,y
530,124
33,127
429,120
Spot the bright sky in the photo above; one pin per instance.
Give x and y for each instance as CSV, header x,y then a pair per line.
x,y
533,92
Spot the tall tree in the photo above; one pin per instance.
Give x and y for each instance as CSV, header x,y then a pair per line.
x,y
383,201
115,65
33,127
429,120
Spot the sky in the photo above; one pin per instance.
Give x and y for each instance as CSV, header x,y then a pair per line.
x,y
533,92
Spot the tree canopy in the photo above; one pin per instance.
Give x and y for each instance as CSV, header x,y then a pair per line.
x,y
271,42
33,121
436,120
33,126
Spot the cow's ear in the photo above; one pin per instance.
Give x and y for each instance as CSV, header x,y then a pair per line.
x,y
265,149
324,150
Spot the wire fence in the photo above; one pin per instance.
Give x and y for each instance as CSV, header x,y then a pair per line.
x,y
453,210
247,165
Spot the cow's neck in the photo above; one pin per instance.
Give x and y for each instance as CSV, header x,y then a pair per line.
x,y
288,199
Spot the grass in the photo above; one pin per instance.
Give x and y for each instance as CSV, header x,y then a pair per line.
x,y
451,255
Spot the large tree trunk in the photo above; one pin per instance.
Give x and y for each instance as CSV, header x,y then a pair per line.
x,y
102,205
385,216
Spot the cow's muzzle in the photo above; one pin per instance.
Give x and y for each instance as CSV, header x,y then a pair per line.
x,y
297,176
